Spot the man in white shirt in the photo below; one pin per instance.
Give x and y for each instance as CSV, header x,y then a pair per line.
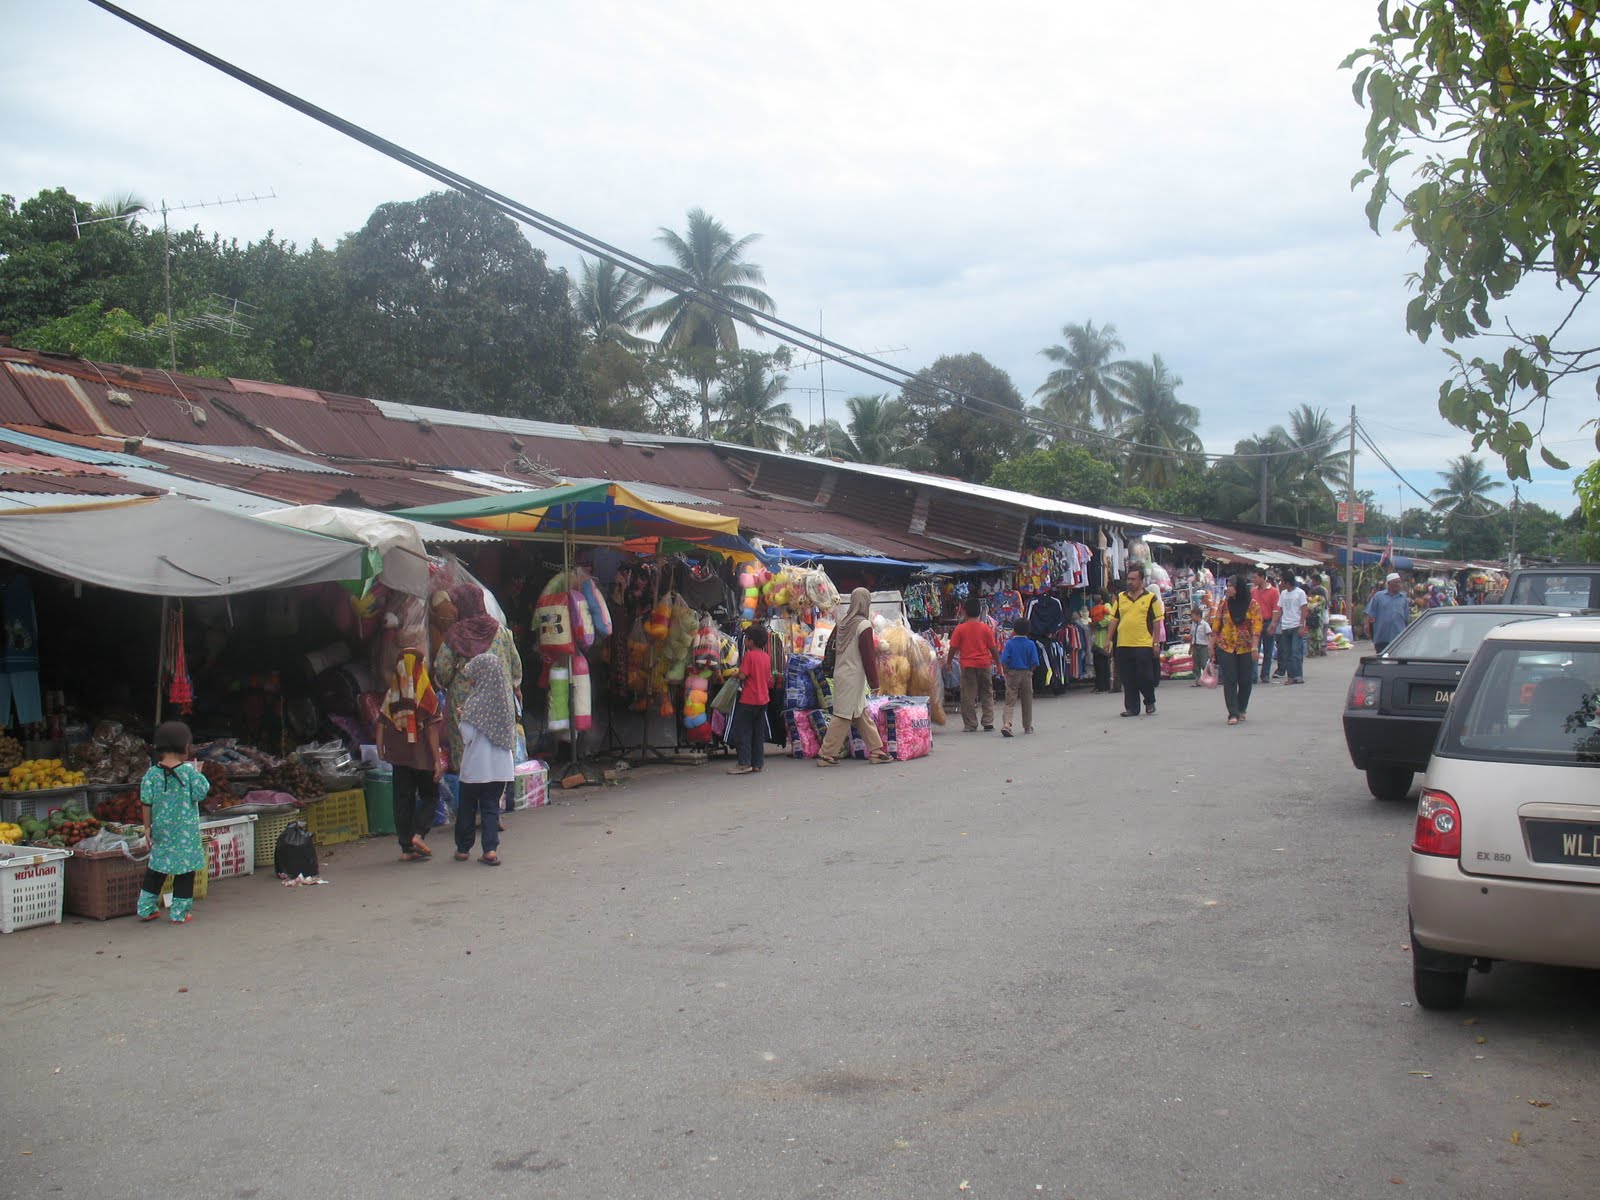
x,y
1292,601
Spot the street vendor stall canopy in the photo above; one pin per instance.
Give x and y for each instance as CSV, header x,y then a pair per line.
x,y
169,546
594,512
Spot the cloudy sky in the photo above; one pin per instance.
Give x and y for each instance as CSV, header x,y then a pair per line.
x,y
926,179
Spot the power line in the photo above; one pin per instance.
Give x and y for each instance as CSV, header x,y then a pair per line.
x,y
1433,505
663,278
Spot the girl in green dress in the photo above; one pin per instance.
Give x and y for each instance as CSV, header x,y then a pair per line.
x,y
171,792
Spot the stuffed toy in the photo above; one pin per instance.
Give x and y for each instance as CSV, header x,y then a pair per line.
x,y
696,699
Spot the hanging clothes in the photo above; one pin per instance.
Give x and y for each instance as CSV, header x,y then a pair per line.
x,y
19,659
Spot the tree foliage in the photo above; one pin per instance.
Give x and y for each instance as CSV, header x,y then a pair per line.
x,y
1160,427
1088,382
1062,472
1485,111
967,415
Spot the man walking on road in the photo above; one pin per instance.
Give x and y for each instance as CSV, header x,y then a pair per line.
x,y
1266,598
1292,601
1388,612
1132,633
973,642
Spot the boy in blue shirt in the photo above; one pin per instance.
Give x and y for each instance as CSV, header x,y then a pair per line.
x,y
1018,660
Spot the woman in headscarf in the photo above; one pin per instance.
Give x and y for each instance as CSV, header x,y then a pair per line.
x,y
408,740
472,633
855,668
1233,643
488,734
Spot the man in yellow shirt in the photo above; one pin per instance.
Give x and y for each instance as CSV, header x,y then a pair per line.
x,y
1132,631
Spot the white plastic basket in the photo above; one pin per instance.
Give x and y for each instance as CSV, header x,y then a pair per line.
x,y
230,846
32,884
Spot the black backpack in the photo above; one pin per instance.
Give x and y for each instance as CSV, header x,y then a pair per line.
x,y
296,852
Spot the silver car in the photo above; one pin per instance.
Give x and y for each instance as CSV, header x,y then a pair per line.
x,y
1505,861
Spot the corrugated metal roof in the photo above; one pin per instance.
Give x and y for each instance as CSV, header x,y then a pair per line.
x,y
71,485
68,449
16,500
257,456
522,426
649,491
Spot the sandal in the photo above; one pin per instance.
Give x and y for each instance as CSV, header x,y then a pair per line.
x,y
413,856
461,856
420,846
742,770
490,859
880,758
824,761
1233,720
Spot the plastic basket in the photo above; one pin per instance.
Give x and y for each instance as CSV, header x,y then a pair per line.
x,y
338,817
268,830
16,805
32,884
103,884
230,846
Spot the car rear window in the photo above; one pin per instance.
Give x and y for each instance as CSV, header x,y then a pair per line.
x,y
1554,590
1448,634
1528,702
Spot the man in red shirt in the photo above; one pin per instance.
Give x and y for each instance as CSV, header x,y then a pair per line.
x,y
973,643
1266,598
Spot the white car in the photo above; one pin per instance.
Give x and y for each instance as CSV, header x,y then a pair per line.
x,y
1505,861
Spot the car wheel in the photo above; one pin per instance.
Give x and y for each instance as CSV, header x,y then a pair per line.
x,y
1389,783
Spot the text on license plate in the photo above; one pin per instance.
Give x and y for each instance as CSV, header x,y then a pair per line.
x,y
1428,694
1564,842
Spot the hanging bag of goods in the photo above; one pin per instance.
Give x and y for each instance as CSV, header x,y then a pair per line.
x,y
800,686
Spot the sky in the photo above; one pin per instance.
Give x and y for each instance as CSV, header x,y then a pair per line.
x,y
925,179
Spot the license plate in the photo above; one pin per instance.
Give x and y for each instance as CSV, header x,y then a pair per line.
x,y
1429,694
1572,842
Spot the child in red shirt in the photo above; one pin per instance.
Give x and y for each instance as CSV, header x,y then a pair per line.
x,y
747,732
973,642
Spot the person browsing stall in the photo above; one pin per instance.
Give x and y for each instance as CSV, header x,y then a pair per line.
x,y
1132,633
747,732
973,643
171,792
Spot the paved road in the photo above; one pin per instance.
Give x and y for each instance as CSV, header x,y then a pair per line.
x,y
1123,958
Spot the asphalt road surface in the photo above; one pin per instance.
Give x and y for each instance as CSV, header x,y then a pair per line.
x,y
1121,958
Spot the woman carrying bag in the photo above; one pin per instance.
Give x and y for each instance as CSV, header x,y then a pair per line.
x,y
1233,646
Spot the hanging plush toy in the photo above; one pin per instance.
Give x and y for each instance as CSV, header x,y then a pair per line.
x,y
595,602
659,622
751,598
707,650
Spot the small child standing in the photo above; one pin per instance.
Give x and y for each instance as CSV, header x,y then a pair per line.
x,y
747,733
1200,642
1018,659
171,792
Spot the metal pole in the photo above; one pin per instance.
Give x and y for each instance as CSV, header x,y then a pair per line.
x,y
166,279
161,656
1350,527
1511,559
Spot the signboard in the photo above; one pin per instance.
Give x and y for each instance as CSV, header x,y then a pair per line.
x,y
1345,508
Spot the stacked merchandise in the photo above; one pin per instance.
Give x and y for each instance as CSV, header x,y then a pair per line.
x,y
1338,634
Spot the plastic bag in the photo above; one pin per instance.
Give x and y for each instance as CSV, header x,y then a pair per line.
x,y
295,853
133,845
1208,677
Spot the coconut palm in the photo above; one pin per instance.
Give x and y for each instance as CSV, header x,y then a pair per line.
x,y
123,208
879,428
609,302
827,439
1088,383
1466,489
1319,461
751,413
707,264
1160,424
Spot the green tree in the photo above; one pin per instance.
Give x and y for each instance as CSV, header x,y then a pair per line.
x,y
708,263
752,412
1486,111
1088,383
967,415
1062,472
609,302
446,303
1161,426
50,268
879,429
1464,502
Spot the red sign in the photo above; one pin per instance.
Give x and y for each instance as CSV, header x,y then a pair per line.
x,y
1345,508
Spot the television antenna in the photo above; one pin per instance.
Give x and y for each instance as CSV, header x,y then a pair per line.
x,y
166,256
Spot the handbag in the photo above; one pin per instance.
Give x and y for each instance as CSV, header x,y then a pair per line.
x,y
727,696
1208,677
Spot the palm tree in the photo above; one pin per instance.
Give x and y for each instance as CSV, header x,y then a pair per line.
x,y
1466,489
609,303
879,428
752,414
1319,461
707,263
1161,424
829,439
123,208
1088,383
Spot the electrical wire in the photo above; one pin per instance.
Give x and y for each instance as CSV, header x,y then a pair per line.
x,y
1433,505
659,277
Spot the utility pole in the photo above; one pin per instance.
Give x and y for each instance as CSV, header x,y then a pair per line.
x,y
1350,526
1261,514
822,382
1511,559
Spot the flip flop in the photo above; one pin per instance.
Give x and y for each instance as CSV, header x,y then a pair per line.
x,y
741,771
412,856
1233,720
420,846
461,856
490,860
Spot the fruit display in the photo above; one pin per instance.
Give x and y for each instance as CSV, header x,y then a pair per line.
x,y
294,778
10,752
39,774
10,834
124,806
62,828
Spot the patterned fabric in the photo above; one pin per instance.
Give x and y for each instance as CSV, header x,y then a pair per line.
x,y
411,701
447,673
488,706
174,798
1228,638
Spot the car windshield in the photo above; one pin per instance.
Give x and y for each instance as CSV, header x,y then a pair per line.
x,y
1528,702
1448,633
1554,590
